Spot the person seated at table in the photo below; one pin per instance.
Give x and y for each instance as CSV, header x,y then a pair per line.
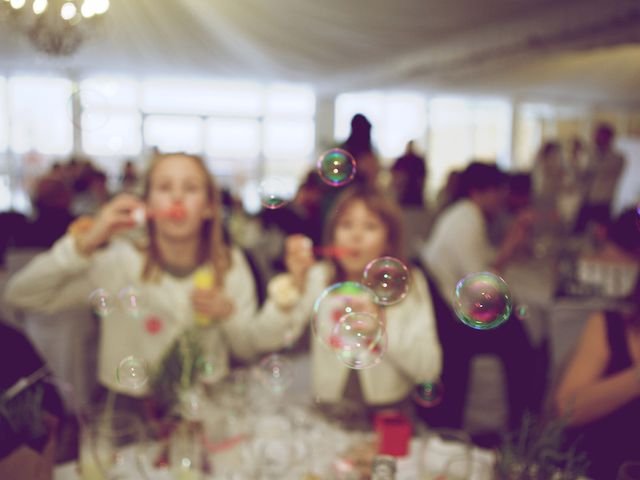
x,y
459,245
183,244
599,393
364,225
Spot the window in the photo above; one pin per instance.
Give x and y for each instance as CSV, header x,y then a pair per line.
x,y
107,115
202,97
174,133
40,115
119,136
462,129
4,126
396,118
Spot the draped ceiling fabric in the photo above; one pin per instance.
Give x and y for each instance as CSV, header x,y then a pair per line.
x,y
573,50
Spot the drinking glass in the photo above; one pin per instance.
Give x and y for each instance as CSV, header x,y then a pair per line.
x,y
110,446
440,447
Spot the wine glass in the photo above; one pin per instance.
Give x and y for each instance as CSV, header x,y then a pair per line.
x,y
440,448
111,443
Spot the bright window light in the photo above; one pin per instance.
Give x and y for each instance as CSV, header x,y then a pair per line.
x,y
233,138
202,97
4,134
290,100
177,133
119,136
396,118
109,92
288,138
40,120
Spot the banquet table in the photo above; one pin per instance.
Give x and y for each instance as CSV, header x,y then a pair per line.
x,y
248,431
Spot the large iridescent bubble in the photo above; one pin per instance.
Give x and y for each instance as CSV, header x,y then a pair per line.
x,y
483,301
388,277
359,340
338,300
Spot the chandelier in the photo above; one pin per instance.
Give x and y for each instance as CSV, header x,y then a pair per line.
x,y
56,27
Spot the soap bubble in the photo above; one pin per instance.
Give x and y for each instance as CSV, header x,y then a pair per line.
x,y
93,108
131,301
388,277
132,372
521,311
275,372
336,167
338,300
101,302
275,192
428,394
483,301
359,340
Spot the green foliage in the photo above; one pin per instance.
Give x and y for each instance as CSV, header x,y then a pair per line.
x,y
538,451
176,370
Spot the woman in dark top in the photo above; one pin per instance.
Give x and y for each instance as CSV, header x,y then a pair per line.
x,y
600,391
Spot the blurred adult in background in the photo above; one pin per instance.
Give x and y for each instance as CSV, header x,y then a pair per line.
x,y
408,176
600,391
449,193
459,245
360,146
519,198
52,202
129,178
601,179
548,176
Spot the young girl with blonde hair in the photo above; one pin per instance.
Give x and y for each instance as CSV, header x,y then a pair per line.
x,y
183,239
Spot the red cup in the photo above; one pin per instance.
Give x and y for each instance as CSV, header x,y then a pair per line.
x,y
394,433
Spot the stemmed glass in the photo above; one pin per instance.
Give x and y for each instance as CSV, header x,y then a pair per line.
x,y
111,446
441,447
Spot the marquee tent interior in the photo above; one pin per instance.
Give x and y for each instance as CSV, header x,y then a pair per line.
x,y
584,51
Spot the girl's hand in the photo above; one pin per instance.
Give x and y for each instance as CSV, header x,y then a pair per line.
x,y
298,257
115,217
211,304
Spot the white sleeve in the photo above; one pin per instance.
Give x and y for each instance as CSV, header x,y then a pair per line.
x,y
274,326
413,345
474,252
239,285
53,281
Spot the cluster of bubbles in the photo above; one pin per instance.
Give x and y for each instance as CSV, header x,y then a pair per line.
x,y
349,317
482,301
128,299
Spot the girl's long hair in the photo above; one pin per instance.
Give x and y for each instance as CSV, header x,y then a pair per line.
x,y
212,249
377,203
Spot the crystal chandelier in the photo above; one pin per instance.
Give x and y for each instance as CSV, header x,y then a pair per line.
x,y
56,27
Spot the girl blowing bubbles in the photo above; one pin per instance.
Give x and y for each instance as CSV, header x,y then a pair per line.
x,y
363,226
184,236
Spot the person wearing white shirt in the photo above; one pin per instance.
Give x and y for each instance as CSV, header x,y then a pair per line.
x,y
183,239
363,226
459,245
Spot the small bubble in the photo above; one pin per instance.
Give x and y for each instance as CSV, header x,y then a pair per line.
x,y
336,167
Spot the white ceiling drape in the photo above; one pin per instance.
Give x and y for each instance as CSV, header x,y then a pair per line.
x,y
545,48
